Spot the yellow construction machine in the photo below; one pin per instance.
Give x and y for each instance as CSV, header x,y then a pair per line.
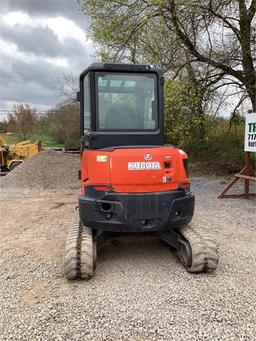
x,y
13,155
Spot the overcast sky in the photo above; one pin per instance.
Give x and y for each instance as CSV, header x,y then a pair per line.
x,y
40,40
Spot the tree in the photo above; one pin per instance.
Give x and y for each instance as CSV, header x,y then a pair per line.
x,y
184,115
228,37
138,34
3,126
63,124
23,119
213,38
67,87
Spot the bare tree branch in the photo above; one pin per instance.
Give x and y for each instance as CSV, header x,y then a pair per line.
x,y
200,57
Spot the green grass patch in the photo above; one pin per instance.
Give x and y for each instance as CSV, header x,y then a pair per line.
x,y
10,139
47,141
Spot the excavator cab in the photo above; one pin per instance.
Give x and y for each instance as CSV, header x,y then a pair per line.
x,y
121,105
131,182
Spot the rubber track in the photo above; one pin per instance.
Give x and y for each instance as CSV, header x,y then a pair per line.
x,y
78,262
204,251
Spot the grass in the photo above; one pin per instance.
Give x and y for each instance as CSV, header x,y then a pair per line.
x,y
47,141
9,139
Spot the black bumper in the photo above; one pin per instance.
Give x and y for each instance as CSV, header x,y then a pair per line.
x,y
130,212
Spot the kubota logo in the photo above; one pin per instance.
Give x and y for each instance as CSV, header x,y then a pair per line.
x,y
148,157
144,166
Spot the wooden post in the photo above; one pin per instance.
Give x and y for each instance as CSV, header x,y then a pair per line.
x,y
248,173
247,170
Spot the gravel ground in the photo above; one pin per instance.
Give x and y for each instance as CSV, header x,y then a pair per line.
x,y
140,291
35,172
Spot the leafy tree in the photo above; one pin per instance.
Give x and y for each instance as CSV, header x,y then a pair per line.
x,y
214,38
23,119
3,126
62,123
184,116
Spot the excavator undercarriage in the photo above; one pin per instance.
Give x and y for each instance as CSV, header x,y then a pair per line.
x,y
196,251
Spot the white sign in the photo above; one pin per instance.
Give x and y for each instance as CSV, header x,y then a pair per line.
x,y
144,166
250,133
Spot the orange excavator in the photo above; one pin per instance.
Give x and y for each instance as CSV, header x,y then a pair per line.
x,y
131,181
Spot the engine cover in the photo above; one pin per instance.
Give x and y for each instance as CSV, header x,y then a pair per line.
x,y
134,170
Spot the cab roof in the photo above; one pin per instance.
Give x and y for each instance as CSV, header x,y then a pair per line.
x,y
121,67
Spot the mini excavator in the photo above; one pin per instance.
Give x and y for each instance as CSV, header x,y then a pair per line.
x,y
131,181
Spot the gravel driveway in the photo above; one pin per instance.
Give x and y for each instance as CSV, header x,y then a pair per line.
x,y
140,291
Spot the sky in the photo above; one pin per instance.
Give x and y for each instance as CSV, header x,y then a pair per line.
x,y
40,41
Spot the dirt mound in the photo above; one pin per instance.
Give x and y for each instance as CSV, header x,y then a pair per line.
x,y
48,169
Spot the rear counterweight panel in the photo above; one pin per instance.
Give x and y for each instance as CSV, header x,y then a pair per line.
x,y
129,212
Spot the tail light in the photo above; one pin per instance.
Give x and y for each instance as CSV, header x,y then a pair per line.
x,y
185,185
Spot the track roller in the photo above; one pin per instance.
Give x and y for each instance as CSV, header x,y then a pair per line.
x,y
80,253
196,251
